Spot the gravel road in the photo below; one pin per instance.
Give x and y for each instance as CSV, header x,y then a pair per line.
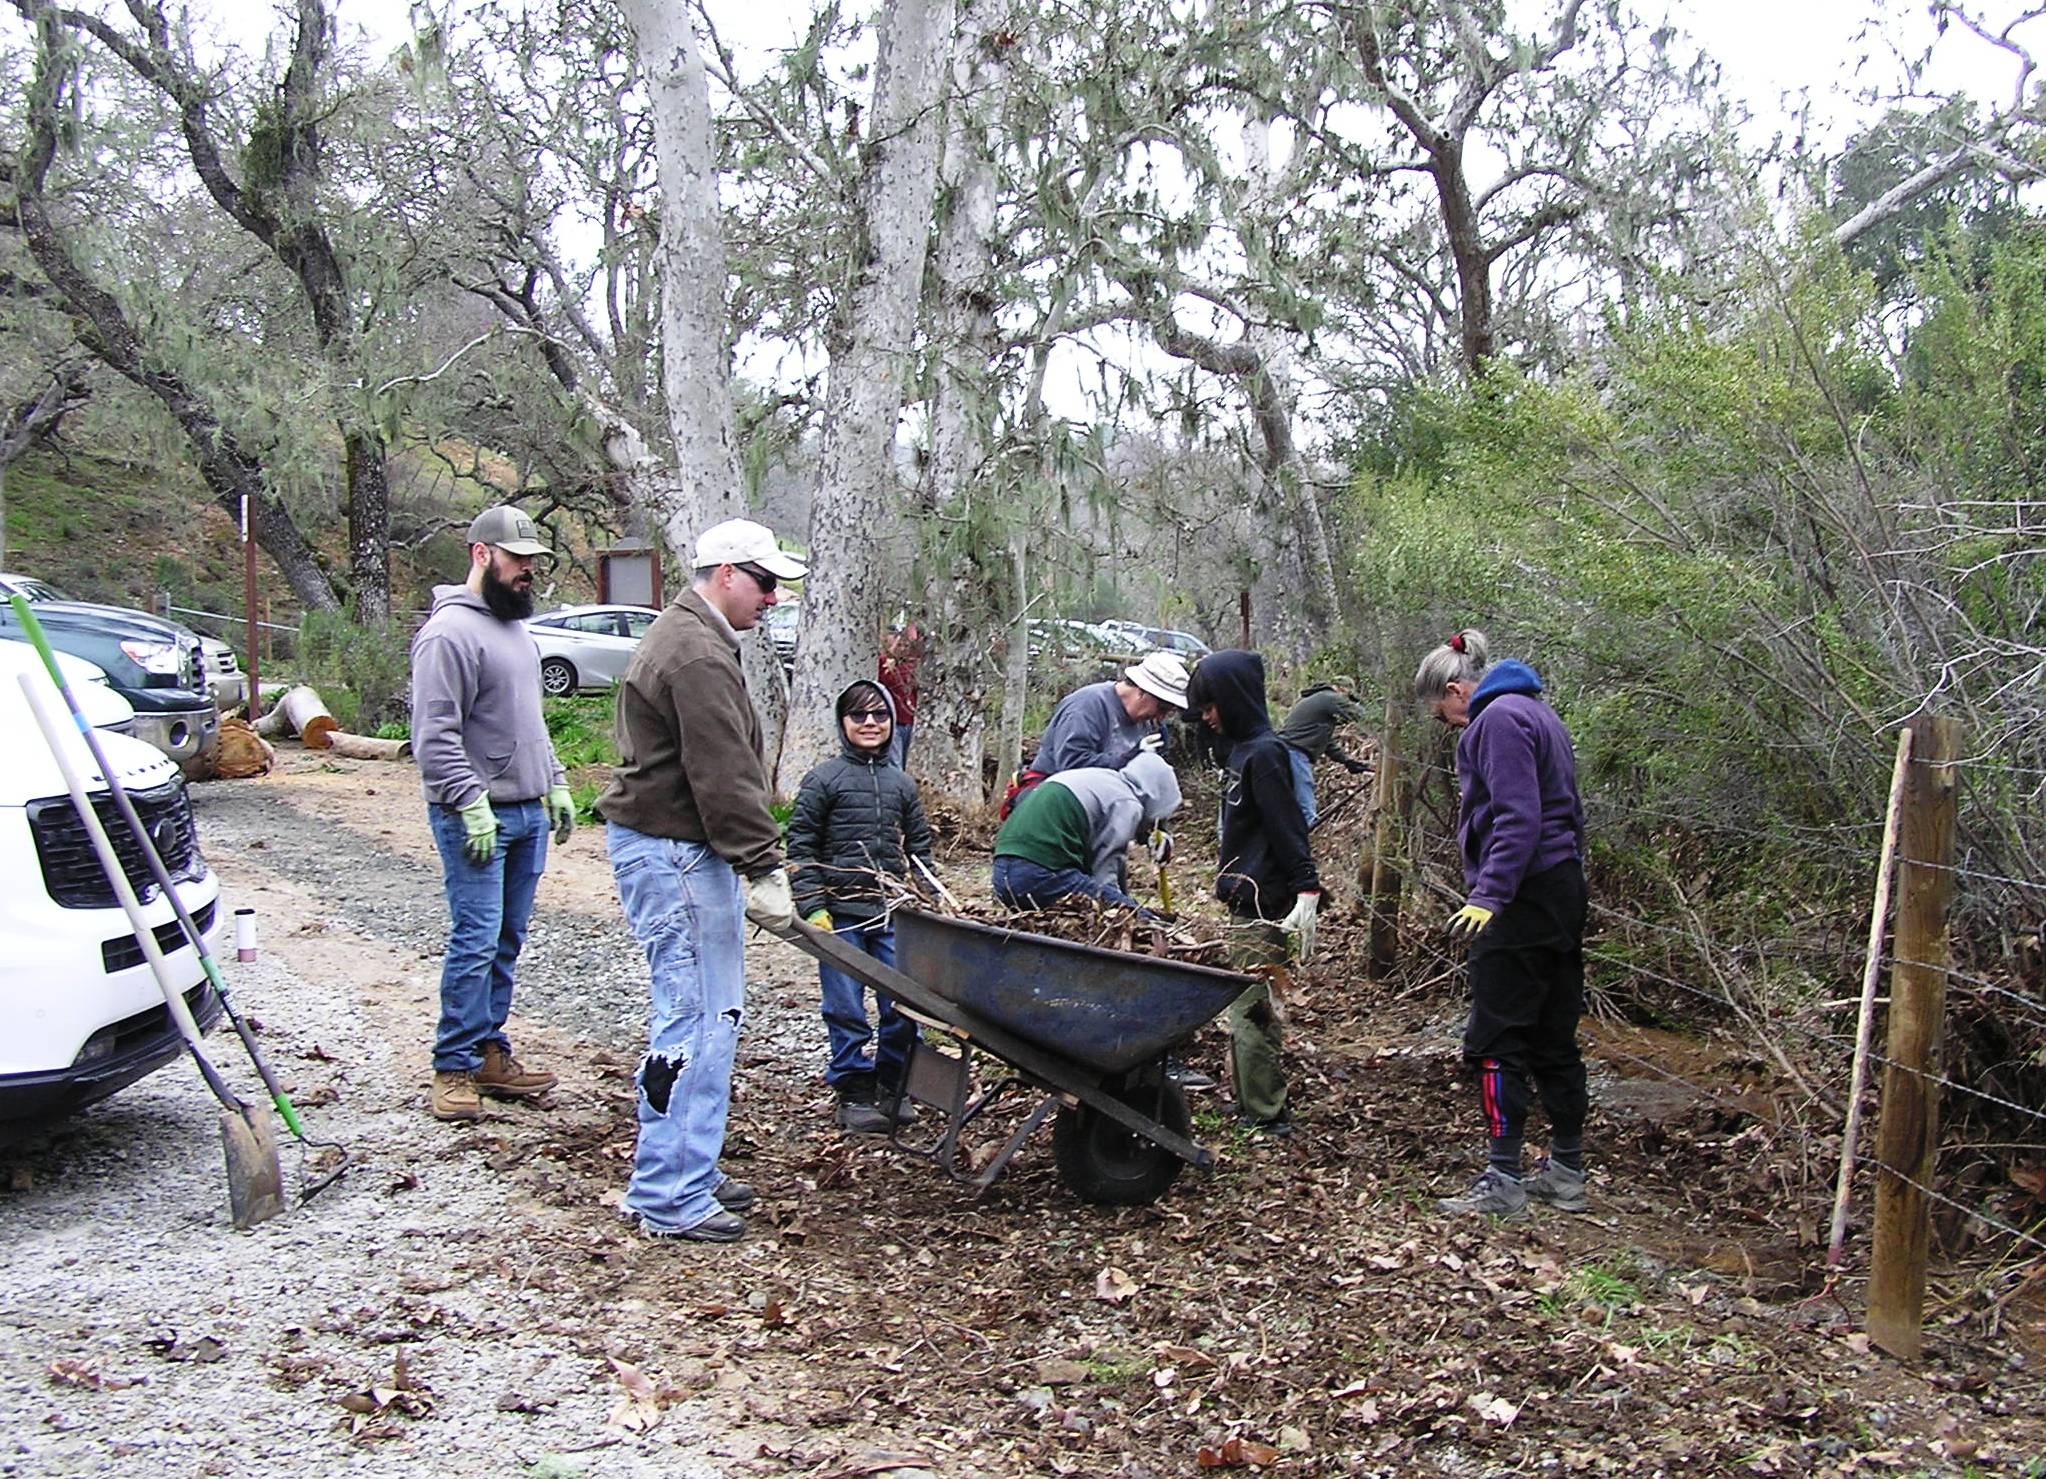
x,y
140,1334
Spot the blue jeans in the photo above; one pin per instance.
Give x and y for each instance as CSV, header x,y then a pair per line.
x,y
845,1013
1303,784
489,906
686,908
1022,884
898,745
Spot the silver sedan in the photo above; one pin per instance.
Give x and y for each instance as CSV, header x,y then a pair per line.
x,y
587,646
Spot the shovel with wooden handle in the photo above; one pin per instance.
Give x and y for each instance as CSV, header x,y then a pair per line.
x,y
1164,875
255,1179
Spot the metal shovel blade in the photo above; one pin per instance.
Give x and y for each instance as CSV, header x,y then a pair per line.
x,y
255,1176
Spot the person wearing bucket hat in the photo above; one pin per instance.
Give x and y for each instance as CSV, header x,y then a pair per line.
x,y
494,791
696,851
1106,724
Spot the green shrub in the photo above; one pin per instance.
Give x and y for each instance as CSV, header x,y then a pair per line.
x,y
363,672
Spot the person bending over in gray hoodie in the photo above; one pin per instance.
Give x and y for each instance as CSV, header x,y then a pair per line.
x,y
1068,834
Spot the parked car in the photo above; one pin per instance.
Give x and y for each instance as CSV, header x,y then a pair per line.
x,y
103,708
81,1014
783,622
1160,639
148,662
220,671
587,646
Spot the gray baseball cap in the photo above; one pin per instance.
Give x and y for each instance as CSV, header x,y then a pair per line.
x,y
511,530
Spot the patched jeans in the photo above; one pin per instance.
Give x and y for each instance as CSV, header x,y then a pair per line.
x,y
856,1045
489,906
686,908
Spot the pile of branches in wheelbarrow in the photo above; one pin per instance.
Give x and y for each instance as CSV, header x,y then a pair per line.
x,y
1075,918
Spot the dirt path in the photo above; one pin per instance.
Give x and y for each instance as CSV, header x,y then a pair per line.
x,y
1304,1300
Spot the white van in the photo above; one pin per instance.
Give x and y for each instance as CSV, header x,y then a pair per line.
x,y
81,1015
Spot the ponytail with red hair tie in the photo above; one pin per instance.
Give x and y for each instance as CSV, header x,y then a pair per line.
x,y
1456,643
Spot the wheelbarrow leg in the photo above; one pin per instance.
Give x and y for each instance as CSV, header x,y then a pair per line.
x,y
1028,1128
938,1080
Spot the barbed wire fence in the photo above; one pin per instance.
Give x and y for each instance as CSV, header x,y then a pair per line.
x,y
1903,1166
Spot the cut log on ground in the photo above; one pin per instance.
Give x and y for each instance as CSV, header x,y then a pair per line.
x,y
242,753
301,712
363,746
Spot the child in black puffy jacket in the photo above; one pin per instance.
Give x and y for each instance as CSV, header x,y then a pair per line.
x,y
858,817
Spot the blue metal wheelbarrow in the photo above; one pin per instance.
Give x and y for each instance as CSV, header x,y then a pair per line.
x,y
1085,1029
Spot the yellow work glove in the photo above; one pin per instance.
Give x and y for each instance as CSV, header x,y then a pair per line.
x,y
820,919
479,822
1468,921
1300,923
560,813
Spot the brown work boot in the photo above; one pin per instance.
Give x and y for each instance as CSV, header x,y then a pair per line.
x,y
455,1098
501,1076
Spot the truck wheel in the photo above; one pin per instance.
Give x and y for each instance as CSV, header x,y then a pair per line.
x,y
557,678
1106,1164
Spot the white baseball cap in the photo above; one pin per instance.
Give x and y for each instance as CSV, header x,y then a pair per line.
x,y
1161,675
743,542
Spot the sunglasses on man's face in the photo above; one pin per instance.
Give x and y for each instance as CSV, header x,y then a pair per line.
x,y
760,577
868,716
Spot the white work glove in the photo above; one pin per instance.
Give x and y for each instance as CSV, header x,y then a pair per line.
x,y
1153,742
770,902
1161,847
1300,923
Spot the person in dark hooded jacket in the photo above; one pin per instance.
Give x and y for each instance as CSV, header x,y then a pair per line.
x,y
857,817
1267,875
1521,826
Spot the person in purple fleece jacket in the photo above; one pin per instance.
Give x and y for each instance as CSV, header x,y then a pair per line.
x,y
1521,827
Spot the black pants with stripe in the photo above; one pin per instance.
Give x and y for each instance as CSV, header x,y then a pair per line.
x,y
1527,992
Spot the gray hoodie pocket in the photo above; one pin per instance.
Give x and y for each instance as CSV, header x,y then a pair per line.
x,y
496,766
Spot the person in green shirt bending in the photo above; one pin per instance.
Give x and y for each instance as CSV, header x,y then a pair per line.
x,y
1068,835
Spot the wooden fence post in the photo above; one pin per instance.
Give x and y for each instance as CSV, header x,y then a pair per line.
x,y
1908,1137
1385,881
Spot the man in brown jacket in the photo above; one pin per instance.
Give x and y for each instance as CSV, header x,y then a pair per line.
x,y
696,852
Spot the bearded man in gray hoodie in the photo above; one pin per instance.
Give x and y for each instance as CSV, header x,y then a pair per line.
x,y
494,790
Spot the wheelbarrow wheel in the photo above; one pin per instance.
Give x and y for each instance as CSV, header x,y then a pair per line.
x,y
1109,1165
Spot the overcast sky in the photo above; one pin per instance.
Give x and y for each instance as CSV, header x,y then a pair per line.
x,y
1768,48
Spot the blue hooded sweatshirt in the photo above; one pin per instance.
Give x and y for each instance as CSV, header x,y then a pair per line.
x,y
1265,859
1520,813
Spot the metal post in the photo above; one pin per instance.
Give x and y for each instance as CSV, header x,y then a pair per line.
x,y
253,666
1908,1136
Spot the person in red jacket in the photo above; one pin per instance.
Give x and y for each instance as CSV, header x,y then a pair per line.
x,y
900,654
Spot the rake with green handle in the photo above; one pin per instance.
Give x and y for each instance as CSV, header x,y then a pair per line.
x,y
126,806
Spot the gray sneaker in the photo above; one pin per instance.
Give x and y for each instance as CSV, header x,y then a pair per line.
x,y
1494,1194
1559,1186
